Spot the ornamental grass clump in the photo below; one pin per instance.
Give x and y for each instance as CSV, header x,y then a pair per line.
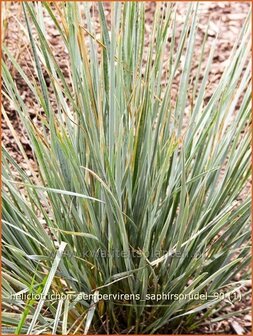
x,y
136,192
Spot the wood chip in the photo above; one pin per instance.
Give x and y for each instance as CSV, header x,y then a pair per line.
x,y
237,328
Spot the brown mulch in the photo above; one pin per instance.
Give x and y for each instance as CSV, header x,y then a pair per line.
x,y
225,17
